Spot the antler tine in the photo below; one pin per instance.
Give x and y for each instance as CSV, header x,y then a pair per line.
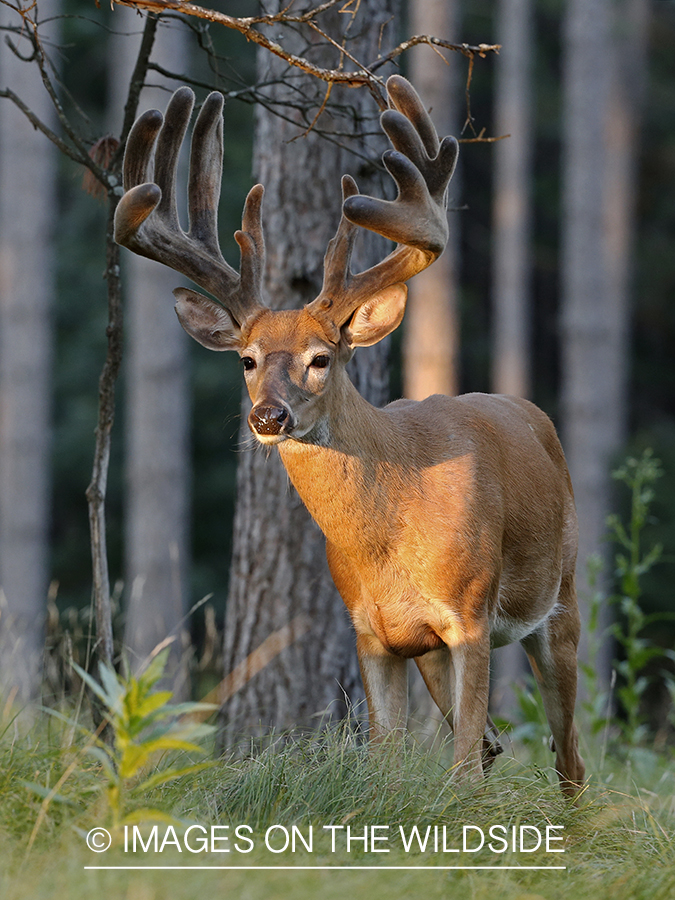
x,y
404,98
252,244
169,141
339,252
422,167
206,170
146,219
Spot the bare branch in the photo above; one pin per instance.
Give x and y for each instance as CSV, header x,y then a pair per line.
x,y
468,50
245,25
136,84
31,30
96,491
39,125
76,149
481,139
376,92
362,75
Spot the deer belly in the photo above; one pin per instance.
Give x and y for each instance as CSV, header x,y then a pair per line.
x,y
523,606
506,630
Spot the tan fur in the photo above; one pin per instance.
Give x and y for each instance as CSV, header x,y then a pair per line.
x,y
449,525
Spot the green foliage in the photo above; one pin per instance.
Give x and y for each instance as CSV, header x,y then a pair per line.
x,y
632,563
597,706
144,725
630,630
532,729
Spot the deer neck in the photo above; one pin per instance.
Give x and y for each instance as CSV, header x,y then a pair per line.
x,y
343,474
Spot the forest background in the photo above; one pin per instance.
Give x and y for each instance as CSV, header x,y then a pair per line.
x,y
69,251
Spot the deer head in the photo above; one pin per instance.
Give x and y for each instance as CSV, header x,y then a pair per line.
x,y
290,358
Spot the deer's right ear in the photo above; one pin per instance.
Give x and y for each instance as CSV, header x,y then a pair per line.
x,y
206,321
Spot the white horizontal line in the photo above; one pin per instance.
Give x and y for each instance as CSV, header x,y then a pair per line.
x,y
324,868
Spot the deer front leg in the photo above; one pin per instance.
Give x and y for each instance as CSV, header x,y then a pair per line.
x,y
471,667
385,679
437,670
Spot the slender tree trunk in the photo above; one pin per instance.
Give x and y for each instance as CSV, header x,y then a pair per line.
x,y
598,175
27,284
628,81
511,253
431,331
512,200
592,422
97,488
157,408
279,573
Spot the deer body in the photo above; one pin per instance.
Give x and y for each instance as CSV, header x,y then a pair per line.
x,y
430,521
414,547
450,524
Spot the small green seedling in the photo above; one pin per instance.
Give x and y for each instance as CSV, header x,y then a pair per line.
x,y
145,725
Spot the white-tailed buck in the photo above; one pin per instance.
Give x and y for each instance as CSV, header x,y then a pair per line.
x,y
450,523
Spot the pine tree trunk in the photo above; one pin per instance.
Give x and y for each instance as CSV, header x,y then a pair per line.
x,y
431,329
279,573
27,284
157,462
599,162
512,200
511,255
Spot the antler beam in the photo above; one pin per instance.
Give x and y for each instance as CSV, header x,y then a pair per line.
x,y
422,167
146,220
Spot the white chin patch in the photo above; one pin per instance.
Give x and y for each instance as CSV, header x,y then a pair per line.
x,y
270,439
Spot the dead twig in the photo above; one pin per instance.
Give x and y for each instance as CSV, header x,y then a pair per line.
x,y
245,25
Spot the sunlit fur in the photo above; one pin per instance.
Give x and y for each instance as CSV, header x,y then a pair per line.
x,y
450,527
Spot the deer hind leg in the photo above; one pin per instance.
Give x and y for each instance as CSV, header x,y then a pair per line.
x,y
552,652
453,698
385,679
491,746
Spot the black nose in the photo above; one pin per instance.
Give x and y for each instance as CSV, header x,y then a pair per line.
x,y
268,419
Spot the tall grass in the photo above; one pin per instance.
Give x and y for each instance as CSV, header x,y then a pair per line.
x,y
618,838
58,781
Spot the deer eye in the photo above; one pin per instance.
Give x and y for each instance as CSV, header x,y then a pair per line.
x,y
321,361
249,363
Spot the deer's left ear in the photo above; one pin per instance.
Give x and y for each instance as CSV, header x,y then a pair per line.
x,y
206,321
377,317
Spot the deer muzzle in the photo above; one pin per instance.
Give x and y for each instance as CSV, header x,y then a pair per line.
x,y
267,420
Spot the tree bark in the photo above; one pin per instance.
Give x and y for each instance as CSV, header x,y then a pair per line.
x,y
431,330
157,464
27,285
600,117
97,489
512,200
511,252
279,573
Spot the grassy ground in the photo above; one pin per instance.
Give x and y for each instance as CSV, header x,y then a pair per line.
x,y
618,840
